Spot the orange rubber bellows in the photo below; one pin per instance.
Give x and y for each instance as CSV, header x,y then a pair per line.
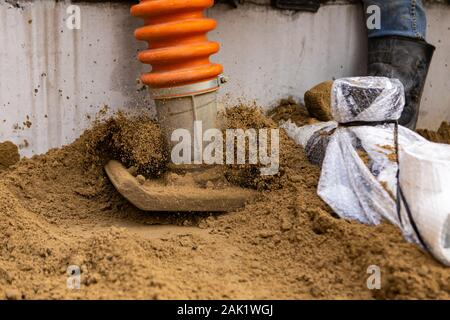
x,y
178,47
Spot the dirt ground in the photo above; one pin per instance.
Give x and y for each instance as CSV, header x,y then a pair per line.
x,y
59,209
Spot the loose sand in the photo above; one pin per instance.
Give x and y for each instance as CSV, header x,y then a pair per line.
x,y
59,209
442,135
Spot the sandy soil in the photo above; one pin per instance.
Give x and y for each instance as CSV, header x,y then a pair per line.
x,y
9,154
442,135
59,209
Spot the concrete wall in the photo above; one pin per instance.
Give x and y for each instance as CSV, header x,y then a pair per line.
x,y
53,80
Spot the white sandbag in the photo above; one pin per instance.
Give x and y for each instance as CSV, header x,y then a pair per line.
x,y
425,181
367,99
358,178
301,135
313,138
360,190
359,163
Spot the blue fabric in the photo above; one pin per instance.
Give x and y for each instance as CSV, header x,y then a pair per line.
x,y
399,18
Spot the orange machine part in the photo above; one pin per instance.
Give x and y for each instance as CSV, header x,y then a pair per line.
x,y
178,49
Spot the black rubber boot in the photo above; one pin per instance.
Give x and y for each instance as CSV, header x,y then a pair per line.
x,y
406,59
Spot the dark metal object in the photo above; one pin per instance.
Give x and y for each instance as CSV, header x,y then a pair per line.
x,y
297,5
232,3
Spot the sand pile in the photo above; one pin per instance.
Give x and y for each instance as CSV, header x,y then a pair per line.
x,y
9,154
138,143
289,109
59,209
442,135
